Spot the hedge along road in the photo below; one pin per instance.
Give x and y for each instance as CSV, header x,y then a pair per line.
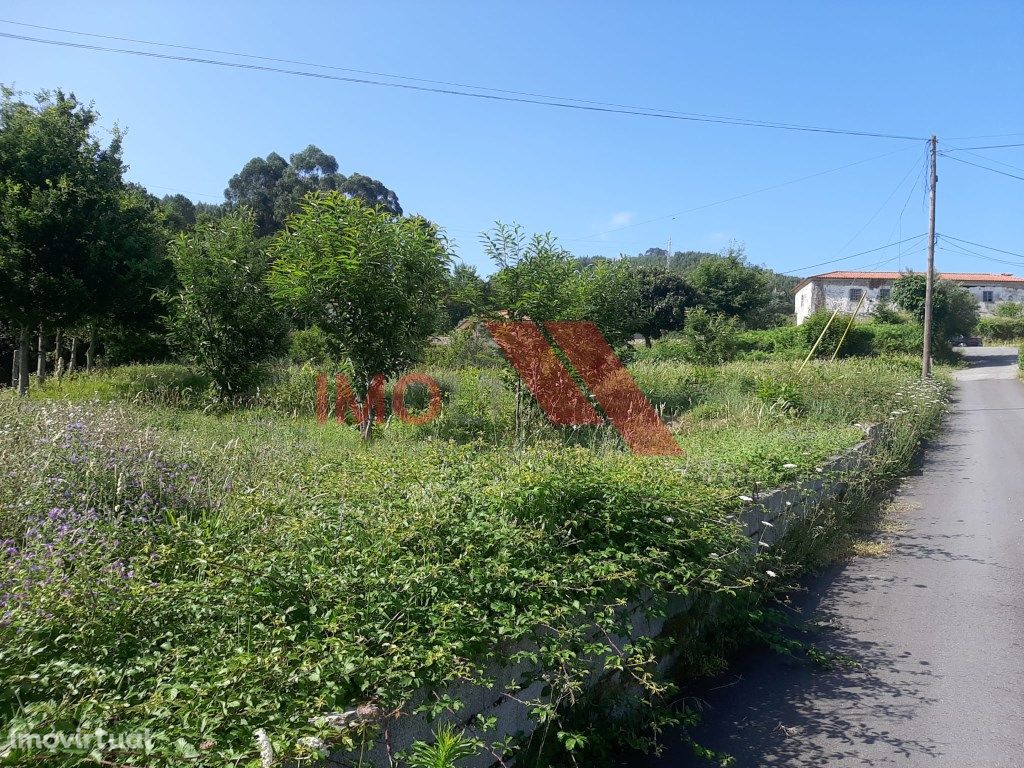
x,y
937,627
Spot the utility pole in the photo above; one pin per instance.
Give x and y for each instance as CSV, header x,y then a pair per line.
x,y
926,354
668,253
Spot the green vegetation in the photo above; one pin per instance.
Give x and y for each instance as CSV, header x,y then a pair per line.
x,y
954,308
1002,328
204,586
222,319
186,551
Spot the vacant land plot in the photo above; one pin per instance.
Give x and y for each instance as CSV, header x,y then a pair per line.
x,y
206,573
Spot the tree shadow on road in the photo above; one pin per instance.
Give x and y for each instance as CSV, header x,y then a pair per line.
x,y
773,709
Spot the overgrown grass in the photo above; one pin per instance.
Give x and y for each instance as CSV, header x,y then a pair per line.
x,y
204,572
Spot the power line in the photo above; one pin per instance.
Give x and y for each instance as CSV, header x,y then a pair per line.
x,y
985,167
986,158
880,208
453,91
450,83
853,255
960,250
990,146
989,136
596,235
980,245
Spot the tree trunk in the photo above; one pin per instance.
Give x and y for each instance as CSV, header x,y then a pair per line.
x,y
73,360
89,350
23,353
41,358
14,368
647,341
58,355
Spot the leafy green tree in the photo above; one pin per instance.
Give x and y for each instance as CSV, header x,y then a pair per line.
x,y
465,294
179,213
954,308
729,286
663,298
222,318
274,187
611,299
536,277
66,217
131,277
372,282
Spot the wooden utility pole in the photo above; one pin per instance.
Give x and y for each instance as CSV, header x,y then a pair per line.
x,y
926,354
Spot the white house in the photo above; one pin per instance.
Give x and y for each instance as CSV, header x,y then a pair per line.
x,y
843,290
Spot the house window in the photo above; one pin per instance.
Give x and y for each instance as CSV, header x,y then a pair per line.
x,y
987,297
884,293
856,293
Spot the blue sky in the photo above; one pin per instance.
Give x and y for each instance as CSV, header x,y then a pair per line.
x,y
595,180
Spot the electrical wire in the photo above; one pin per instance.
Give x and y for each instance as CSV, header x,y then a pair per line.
x,y
961,251
376,74
985,167
453,91
598,235
980,245
990,146
854,255
986,158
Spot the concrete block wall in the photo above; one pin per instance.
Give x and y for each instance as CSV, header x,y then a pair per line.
x,y
766,521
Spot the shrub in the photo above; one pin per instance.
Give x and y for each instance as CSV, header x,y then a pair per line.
x,y
311,345
470,347
856,344
1001,328
784,341
781,396
708,339
889,339
1009,309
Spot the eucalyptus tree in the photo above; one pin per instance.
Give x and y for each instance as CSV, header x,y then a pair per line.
x,y
274,187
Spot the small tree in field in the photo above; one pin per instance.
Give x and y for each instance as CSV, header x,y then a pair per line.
x,y
371,281
536,278
954,308
662,303
223,320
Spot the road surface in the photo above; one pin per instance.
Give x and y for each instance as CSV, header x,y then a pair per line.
x,y
937,626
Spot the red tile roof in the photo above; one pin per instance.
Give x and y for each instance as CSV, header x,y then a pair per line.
x,y
956,277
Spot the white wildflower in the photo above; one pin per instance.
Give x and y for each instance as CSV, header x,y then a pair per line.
x,y
745,498
773,574
789,466
669,519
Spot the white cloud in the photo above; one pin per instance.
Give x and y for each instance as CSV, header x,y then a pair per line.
x,y
621,219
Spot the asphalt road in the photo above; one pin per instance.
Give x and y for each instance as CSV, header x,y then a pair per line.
x,y
937,626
